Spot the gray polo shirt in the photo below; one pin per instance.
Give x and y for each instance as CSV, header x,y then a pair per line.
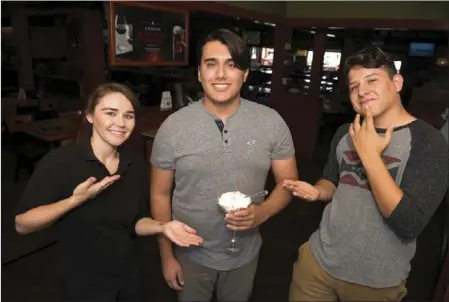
x,y
208,162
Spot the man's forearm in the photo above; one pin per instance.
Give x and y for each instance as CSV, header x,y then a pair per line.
x,y
386,193
279,199
326,189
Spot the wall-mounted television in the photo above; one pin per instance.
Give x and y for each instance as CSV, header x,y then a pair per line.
x,y
146,34
419,49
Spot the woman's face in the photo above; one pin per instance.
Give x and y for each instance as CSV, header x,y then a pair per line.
x,y
113,119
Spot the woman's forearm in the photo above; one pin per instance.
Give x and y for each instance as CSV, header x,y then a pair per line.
x,y
44,216
147,226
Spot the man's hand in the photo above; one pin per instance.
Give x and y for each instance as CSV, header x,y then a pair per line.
x,y
365,138
302,189
181,234
173,273
245,219
91,188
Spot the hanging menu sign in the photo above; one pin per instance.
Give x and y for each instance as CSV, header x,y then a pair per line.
x,y
143,34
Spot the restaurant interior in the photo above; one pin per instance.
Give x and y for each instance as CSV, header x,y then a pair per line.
x,y
55,53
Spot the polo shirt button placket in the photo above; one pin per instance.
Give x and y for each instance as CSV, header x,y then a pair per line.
x,y
225,138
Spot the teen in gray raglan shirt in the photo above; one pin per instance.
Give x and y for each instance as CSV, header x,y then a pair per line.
x,y
219,144
385,177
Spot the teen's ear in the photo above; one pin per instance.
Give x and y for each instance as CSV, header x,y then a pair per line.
x,y
398,82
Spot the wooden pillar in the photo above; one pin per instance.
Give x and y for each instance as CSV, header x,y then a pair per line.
x,y
19,20
348,49
93,51
282,35
290,107
319,47
302,114
314,105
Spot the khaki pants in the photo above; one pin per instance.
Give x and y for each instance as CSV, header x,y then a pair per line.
x,y
311,283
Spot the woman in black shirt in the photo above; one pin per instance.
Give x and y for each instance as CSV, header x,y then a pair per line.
x,y
97,195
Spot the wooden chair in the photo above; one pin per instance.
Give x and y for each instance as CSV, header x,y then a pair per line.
x,y
27,149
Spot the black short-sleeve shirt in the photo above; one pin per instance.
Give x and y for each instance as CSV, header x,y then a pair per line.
x,y
97,238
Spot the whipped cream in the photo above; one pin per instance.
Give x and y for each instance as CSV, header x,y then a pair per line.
x,y
231,201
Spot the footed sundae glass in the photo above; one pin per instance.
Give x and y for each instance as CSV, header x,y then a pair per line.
x,y
234,201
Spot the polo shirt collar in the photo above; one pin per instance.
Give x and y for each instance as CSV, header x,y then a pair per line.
x,y
88,154
240,108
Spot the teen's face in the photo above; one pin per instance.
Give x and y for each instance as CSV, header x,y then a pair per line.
x,y
218,74
113,119
373,87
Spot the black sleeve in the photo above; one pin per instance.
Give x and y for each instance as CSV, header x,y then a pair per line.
x,y
46,185
424,183
332,169
144,200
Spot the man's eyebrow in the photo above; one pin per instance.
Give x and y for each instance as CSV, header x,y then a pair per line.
x,y
213,59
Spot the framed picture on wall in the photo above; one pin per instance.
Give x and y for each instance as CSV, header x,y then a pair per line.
x,y
147,34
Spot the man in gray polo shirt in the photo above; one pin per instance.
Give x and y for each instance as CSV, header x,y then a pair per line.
x,y
219,144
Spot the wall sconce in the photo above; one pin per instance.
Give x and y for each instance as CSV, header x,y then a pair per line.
x,y
443,62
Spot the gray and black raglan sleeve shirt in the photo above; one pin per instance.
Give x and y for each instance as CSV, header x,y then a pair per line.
x,y
354,242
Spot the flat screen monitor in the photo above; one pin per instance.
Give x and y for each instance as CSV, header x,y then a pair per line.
x,y
417,49
331,59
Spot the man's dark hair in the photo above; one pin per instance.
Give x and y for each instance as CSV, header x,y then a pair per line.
x,y
371,57
237,47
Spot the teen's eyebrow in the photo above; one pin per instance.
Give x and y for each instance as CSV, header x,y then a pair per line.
x,y
371,74
367,76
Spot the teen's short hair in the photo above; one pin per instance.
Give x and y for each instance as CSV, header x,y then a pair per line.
x,y
371,57
237,47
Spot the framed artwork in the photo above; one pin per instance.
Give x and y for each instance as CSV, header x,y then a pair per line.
x,y
147,34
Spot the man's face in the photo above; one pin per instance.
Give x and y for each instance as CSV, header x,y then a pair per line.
x,y
218,74
373,87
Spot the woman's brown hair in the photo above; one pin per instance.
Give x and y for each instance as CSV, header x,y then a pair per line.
x,y
108,88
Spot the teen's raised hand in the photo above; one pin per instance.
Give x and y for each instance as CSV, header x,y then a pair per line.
x,y
181,234
364,137
302,189
91,188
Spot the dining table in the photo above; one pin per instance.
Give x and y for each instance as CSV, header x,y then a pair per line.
x,y
54,130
